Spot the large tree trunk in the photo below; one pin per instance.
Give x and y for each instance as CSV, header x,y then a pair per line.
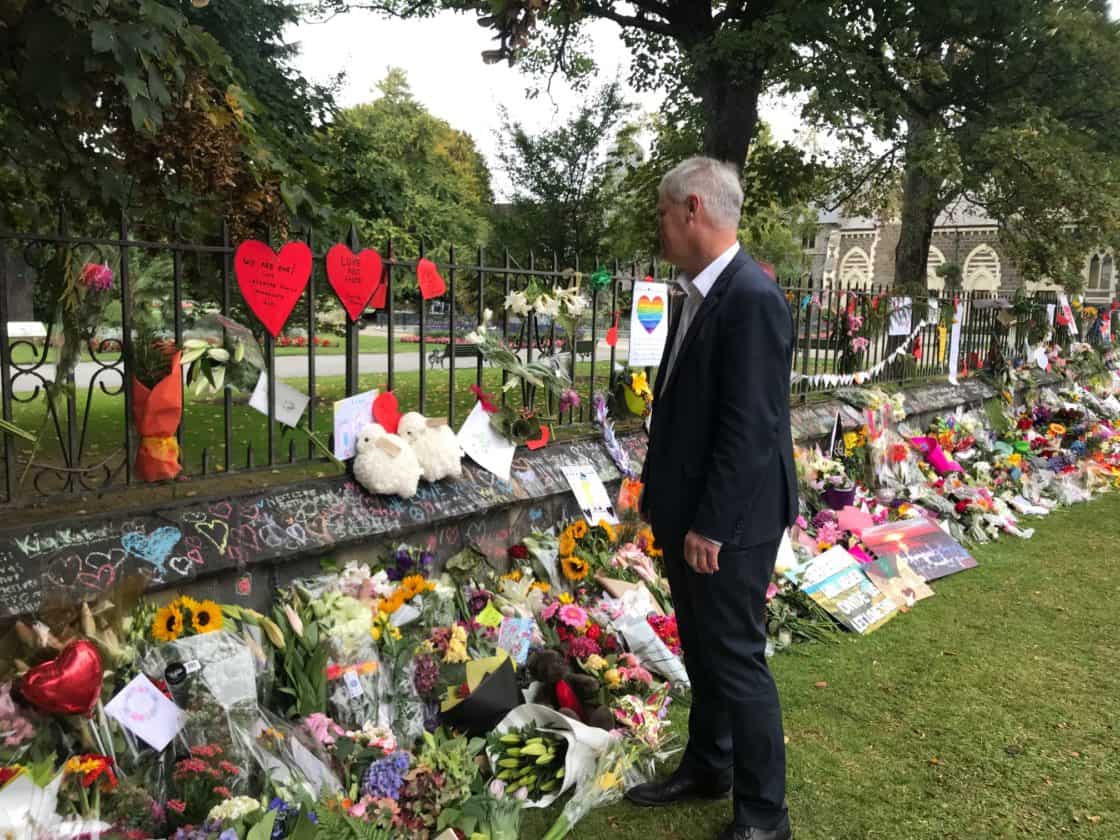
x,y
730,111
921,205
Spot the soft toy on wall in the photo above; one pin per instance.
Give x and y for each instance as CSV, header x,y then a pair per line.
x,y
576,695
386,463
435,444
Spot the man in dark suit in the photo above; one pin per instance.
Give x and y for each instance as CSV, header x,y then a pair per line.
x,y
720,490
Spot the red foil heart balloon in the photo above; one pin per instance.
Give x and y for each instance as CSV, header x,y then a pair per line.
x,y
67,685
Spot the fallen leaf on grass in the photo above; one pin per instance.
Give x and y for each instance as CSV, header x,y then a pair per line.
x,y
936,762
821,684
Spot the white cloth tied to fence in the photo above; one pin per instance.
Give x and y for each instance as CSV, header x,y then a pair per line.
x,y
832,380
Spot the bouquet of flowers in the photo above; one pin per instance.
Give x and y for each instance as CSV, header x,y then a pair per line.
x,y
585,550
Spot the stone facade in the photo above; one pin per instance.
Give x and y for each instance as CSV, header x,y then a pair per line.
x,y
860,252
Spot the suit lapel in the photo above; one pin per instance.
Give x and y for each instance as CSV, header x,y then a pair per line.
x,y
676,305
705,309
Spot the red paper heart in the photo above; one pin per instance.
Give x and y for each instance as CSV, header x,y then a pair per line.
x,y
272,283
612,333
540,442
354,277
431,284
387,412
67,685
379,295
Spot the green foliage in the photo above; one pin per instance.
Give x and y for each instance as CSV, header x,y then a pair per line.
x,y
562,180
394,170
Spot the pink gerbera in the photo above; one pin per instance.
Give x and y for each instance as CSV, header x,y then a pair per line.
x,y
573,615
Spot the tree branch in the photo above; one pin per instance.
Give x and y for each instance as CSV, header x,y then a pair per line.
x,y
639,21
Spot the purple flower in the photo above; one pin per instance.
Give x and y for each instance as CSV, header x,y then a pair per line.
x,y
478,601
228,834
426,561
384,778
425,677
568,399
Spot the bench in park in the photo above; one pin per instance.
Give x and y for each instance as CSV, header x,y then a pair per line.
x,y
459,351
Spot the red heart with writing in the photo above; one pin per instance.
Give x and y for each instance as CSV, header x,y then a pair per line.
x,y
271,283
387,412
612,333
542,441
67,685
431,284
354,277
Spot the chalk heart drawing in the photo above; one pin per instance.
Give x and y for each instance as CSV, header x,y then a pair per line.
x,y
155,547
98,581
217,532
222,510
650,311
181,565
195,556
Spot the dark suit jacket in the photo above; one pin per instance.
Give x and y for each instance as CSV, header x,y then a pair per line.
x,y
720,457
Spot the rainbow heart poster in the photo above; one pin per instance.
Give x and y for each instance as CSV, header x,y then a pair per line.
x,y
649,323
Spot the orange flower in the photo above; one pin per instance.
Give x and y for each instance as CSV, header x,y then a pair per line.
x,y
574,568
567,543
578,529
606,528
91,768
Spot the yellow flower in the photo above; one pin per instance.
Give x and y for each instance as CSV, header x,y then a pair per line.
x,y
567,544
608,530
514,576
456,646
1015,459
640,386
578,529
167,626
851,441
566,598
186,602
595,663
413,585
541,585
612,678
608,781
574,568
375,631
206,617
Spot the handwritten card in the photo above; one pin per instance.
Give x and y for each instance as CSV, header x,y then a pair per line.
x,y
351,415
515,636
901,311
485,446
143,710
591,494
649,323
290,403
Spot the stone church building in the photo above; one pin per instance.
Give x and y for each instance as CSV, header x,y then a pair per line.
x,y
860,252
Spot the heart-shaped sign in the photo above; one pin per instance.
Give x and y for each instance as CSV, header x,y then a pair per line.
x,y
272,283
431,284
650,311
67,685
387,412
354,277
380,293
542,441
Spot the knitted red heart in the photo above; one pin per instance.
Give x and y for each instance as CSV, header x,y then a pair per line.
x,y
387,412
67,685
354,277
271,283
431,284
542,441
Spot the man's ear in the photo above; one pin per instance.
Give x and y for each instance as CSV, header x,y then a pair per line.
x,y
693,202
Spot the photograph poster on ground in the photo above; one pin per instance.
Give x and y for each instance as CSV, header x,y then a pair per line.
x,y
836,582
922,545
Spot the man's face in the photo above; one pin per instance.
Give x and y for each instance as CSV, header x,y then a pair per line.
x,y
672,224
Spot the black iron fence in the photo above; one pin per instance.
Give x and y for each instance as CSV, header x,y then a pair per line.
x,y
85,441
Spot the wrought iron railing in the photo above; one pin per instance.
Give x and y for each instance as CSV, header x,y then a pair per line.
x,y
87,442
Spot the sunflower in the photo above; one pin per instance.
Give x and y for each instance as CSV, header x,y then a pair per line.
x,y
414,585
567,543
186,602
574,568
607,529
167,626
206,617
578,529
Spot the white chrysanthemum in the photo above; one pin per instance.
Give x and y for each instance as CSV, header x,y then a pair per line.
x,y
233,809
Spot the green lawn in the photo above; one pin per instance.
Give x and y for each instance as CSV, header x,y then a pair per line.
x,y
990,711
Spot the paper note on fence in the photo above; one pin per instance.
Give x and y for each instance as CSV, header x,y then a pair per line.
x,y
485,446
649,323
143,710
592,496
290,403
902,310
351,415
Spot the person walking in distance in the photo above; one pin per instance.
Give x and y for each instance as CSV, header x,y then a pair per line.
x,y
719,491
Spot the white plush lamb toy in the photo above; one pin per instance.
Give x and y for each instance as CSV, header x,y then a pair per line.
x,y
436,446
386,463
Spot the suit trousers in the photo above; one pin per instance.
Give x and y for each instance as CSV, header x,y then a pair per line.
x,y
735,722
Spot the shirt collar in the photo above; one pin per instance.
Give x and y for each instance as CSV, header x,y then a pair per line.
x,y
704,281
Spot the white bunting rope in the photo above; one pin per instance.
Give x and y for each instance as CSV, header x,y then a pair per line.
x,y
831,380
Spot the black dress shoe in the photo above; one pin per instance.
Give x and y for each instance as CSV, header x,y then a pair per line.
x,y
734,833
683,785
